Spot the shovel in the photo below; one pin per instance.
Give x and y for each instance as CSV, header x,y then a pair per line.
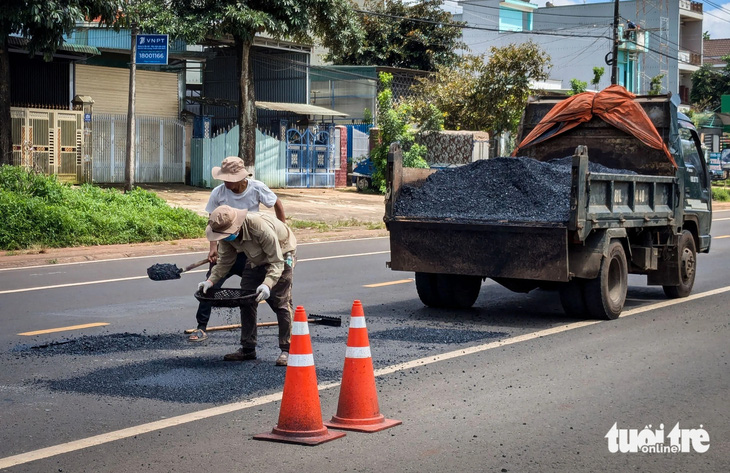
x,y
312,319
166,271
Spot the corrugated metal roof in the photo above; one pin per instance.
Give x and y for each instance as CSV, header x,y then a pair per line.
x,y
21,42
300,108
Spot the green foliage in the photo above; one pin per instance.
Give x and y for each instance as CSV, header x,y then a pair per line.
x,y
577,87
655,86
38,210
597,74
720,194
332,21
393,125
480,94
367,116
709,85
44,22
392,39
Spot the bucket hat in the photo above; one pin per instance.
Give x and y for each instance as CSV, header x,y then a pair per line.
x,y
230,170
223,221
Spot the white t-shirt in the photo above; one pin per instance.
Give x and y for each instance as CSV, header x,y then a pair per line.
x,y
256,193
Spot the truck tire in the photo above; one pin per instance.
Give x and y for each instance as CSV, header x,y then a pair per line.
x,y
572,298
363,184
605,295
687,254
457,291
426,286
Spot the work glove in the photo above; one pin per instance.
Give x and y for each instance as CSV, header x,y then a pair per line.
x,y
263,292
204,286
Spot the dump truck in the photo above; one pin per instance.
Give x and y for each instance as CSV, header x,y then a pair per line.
x,y
638,202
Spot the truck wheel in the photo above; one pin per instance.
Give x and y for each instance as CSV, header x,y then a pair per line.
x,y
571,298
458,291
363,184
426,286
687,254
605,295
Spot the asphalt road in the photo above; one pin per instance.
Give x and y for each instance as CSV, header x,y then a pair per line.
x,y
510,385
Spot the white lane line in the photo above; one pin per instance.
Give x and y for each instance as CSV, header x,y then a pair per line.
x,y
131,278
720,219
127,258
75,445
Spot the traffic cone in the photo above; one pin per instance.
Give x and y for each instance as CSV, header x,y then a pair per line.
x,y
300,415
358,406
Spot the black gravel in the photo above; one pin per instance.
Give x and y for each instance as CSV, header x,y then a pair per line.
x,y
164,272
514,189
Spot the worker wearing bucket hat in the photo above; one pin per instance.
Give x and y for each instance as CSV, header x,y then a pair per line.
x,y
240,192
270,248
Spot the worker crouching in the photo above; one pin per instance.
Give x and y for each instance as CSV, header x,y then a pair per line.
x,y
270,248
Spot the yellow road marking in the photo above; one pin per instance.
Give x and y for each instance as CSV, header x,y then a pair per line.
x,y
718,237
63,329
389,283
101,439
719,219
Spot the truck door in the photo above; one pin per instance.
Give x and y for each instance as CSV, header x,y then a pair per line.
x,y
698,191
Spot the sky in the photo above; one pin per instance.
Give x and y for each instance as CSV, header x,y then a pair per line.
x,y
716,19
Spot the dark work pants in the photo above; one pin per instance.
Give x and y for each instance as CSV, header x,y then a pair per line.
x,y
204,308
280,302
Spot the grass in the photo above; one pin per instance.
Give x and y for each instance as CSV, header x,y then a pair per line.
x,y
296,224
720,194
39,211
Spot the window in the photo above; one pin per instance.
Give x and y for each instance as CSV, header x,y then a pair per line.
x,y
515,15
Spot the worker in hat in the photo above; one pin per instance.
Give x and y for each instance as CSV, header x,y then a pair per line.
x,y
270,249
241,192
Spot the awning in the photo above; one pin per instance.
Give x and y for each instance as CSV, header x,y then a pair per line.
x,y
299,108
22,43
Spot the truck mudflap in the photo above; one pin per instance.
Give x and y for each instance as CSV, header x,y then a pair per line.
x,y
499,250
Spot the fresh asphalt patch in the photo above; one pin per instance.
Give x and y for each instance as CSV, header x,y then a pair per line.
x,y
166,367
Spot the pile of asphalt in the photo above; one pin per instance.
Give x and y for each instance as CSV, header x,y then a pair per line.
x,y
514,189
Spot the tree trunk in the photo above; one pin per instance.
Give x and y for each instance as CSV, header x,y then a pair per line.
x,y
246,106
131,119
6,138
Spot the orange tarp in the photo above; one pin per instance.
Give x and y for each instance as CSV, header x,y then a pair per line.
x,y
614,105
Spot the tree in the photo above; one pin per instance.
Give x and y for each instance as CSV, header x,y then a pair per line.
x,y
43,23
480,94
709,85
333,21
428,40
393,123
655,85
597,74
577,86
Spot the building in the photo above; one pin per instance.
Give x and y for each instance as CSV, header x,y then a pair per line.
x,y
665,45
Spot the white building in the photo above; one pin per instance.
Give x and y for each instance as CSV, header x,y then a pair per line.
x,y
578,38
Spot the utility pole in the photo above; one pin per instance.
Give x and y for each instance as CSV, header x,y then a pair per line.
x,y
614,54
129,168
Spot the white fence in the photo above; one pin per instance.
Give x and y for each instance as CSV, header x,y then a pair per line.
x,y
159,149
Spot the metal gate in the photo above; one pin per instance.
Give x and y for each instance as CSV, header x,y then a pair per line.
x,y
49,141
309,159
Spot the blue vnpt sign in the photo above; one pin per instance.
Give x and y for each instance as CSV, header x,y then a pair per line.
x,y
152,49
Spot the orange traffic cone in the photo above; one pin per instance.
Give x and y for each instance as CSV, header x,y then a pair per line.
x,y
300,415
358,406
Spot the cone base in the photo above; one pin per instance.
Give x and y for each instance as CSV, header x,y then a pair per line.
x,y
358,425
302,438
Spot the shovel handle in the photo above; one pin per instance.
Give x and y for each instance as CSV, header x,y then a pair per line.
x,y
194,265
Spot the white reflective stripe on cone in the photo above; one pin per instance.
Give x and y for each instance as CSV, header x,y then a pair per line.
x,y
357,352
357,322
300,328
301,360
